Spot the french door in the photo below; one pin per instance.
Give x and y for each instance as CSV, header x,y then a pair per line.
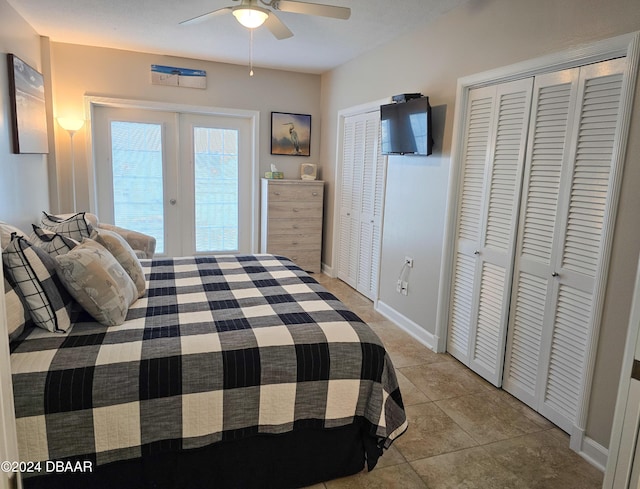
x,y
185,179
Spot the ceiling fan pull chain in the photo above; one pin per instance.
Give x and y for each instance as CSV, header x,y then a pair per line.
x,y
250,52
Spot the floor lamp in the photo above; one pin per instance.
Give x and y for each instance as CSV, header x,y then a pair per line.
x,y
71,126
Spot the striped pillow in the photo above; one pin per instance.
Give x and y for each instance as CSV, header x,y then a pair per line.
x,y
75,227
34,271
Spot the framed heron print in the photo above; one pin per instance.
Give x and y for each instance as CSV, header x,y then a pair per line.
x,y
290,134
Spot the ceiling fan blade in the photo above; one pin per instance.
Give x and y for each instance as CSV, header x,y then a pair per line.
x,y
207,16
277,28
312,9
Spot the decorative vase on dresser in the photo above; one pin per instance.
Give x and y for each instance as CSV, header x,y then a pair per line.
x,y
291,221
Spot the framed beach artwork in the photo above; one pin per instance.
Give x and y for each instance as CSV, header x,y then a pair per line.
x,y
173,76
28,110
290,134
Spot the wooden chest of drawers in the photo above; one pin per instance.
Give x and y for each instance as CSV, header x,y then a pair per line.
x,y
291,221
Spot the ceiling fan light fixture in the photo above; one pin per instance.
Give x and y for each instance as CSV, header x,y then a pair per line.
x,y
251,17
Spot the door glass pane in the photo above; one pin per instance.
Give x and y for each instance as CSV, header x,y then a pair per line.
x,y
137,178
216,188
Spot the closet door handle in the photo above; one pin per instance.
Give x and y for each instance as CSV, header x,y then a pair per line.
x,y
555,274
477,252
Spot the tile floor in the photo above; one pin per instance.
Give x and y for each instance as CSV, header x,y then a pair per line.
x,y
463,432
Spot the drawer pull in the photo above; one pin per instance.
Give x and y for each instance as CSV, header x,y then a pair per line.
x,y
276,193
295,243
295,226
314,194
295,210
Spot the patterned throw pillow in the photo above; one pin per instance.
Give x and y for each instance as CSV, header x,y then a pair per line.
x,y
75,227
122,251
98,282
34,272
17,316
53,243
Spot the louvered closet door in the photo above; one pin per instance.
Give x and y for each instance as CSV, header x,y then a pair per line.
x,y
553,108
559,252
371,208
361,203
350,198
496,130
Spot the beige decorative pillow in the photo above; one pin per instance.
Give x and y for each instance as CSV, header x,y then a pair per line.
x,y
97,281
125,255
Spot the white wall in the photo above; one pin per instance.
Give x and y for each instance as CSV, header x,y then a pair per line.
x,y
23,178
82,70
23,194
480,36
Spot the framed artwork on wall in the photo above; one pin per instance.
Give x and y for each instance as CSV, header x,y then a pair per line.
x,y
27,105
290,134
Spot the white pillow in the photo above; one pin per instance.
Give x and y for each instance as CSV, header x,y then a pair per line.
x,y
6,230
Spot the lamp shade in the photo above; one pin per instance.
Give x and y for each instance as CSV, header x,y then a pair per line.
x,y
70,124
250,17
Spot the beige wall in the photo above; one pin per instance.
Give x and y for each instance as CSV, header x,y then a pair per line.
x,y
480,36
81,70
23,178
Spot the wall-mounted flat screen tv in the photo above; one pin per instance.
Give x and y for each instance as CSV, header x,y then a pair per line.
x,y
406,127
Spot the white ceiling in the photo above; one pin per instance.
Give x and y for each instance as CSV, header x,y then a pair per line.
x,y
152,26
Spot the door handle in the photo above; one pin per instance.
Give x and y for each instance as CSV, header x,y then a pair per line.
x,y
172,201
477,252
555,274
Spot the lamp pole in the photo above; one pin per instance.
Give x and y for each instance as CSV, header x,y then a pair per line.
x,y
72,126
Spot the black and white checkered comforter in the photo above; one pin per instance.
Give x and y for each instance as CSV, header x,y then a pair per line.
x,y
219,348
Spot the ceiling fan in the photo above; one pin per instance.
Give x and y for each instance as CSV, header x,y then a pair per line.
x,y
251,15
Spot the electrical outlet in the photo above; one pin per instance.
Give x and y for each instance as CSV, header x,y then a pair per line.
x,y
404,288
408,261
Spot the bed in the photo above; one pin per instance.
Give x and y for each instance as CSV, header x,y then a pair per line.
x,y
231,371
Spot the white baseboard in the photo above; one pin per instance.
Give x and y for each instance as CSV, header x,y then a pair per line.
x,y
414,329
327,270
594,453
